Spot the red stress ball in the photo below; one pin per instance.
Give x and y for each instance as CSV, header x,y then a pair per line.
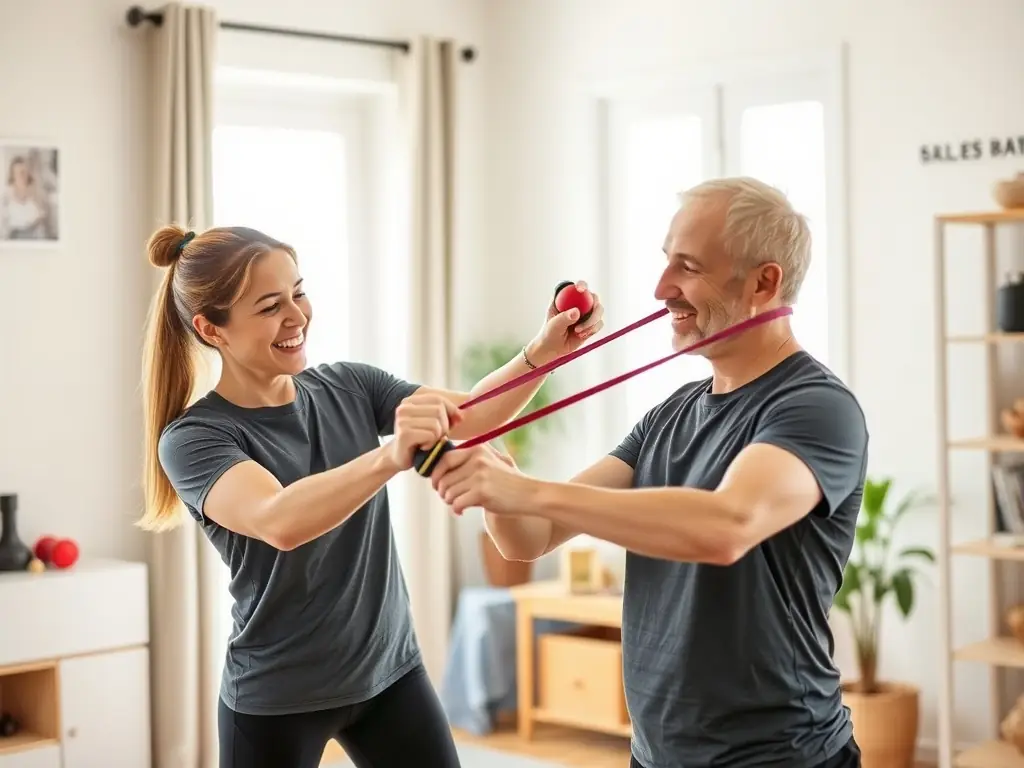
x,y
43,549
568,296
65,554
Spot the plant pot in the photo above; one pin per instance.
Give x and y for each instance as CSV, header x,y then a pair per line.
x,y
885,723
499,571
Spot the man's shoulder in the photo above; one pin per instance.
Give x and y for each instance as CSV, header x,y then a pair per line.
x,y
805,381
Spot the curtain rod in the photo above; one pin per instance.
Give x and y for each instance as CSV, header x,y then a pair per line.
x,y
136,16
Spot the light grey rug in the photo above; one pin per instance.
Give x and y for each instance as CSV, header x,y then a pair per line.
x,y
478,757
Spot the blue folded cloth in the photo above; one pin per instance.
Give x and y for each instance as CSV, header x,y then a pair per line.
x,y
480,676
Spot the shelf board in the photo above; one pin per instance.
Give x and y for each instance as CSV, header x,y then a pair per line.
x,y
994,549
1008,216
986,338
21,742
991,754
996,444
997,651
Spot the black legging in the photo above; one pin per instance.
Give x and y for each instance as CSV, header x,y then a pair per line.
x,y
847,757
405,719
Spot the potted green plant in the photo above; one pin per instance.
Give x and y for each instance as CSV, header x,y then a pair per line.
x,y
885,713
478,361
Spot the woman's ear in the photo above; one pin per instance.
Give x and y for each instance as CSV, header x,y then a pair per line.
x,y
207,331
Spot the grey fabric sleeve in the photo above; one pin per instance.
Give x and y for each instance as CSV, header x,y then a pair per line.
x,y
823,426
194,454
384,391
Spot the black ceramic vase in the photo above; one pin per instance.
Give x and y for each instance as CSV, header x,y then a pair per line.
x,y
14,555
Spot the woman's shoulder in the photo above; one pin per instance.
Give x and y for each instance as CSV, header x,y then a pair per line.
x,y
202,418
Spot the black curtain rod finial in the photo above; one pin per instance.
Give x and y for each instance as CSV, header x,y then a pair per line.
x,y
137,16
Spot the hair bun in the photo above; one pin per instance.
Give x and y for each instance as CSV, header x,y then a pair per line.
x,y
164,245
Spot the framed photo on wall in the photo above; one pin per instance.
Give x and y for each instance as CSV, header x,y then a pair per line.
x,y
30,193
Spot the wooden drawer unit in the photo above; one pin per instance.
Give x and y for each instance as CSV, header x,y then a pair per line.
x,y
580,679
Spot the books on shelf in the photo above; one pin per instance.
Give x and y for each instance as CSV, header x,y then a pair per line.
x,y
1008,482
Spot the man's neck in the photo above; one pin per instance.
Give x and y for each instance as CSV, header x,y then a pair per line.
x,y
751,355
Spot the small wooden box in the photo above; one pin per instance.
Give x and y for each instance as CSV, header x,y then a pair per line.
x,y
580,677
582,572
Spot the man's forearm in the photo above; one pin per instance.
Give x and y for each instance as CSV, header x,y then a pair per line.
x,y
499,410
683,524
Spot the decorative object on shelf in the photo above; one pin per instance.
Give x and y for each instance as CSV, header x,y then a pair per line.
x,y
30,202
885,713
1009,193
1010,304
54,552
1012,726
478,361
582,571
1012,419
14,555
1015,621
8,725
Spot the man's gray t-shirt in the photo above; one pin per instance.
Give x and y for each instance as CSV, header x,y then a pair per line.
x,y
328,623
732,666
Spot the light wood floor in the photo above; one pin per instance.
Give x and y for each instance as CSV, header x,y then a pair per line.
x,y
561,746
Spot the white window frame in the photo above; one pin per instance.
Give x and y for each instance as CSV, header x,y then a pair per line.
x,y
704,89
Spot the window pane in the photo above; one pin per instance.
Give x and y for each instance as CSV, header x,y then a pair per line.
x,y
664,156
784,145
290,184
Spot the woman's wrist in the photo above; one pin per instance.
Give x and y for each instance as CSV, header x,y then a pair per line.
x,y
535,354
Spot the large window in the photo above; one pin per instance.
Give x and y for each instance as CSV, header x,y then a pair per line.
x,y
782,128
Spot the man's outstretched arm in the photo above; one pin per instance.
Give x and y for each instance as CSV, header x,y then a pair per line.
x,y
528,537
810,452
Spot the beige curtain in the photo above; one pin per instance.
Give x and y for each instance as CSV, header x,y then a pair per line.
x,y
185,572
428,83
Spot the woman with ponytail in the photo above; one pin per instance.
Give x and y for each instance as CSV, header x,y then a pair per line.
x,y
283,468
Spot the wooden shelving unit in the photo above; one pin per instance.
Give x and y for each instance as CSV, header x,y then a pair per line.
x,y
998,651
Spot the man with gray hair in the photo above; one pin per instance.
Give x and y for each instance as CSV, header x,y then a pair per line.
x,y
736,499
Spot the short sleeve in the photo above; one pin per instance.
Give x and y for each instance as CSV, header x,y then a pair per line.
x,y
628,450
822,425
194,454
385,392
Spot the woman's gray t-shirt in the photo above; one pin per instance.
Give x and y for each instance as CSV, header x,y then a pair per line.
x,y
328,623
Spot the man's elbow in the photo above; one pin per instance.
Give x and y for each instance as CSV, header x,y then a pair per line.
x,y
736,537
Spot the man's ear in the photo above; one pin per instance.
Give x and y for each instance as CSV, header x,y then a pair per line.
x,y
769,283
207,331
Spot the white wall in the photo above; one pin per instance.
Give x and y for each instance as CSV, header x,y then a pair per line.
x,y
69,402
919,71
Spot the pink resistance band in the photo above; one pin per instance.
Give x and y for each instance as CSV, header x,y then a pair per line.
x,y
425,460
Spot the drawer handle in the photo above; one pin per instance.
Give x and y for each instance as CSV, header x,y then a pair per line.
x,y
577,683
72,733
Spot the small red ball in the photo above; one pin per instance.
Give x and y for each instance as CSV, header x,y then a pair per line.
x,y
43,549
568,296
65,553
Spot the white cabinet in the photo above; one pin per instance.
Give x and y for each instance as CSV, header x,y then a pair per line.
x,y
74,666
104,710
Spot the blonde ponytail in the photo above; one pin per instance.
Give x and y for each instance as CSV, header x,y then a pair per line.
x,y
168,379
